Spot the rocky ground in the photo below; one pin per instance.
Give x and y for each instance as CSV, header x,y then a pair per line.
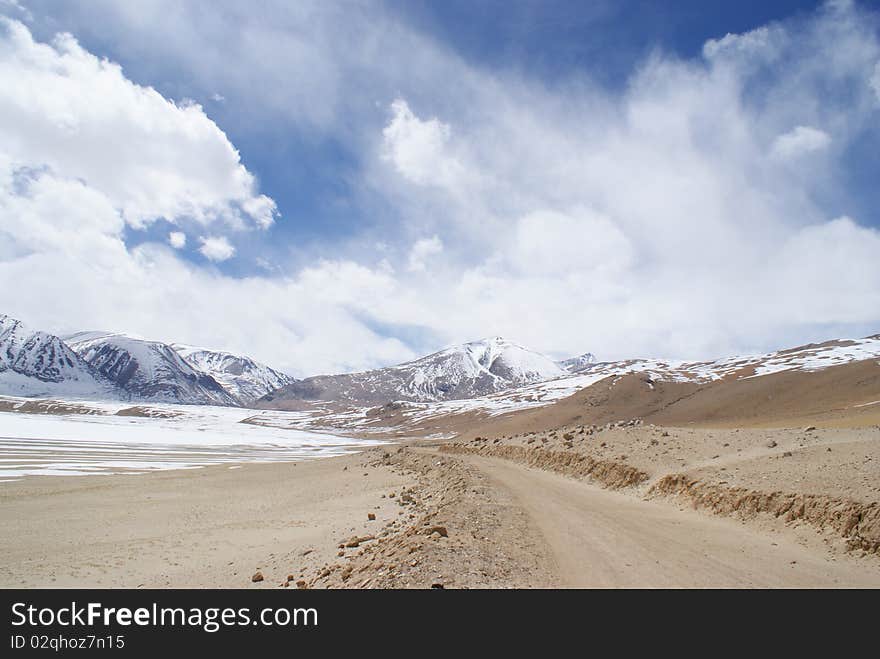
x,y
453,530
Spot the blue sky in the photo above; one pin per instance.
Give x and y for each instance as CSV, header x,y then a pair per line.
x,y
578,176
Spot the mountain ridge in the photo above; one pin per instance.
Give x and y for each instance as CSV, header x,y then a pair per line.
x,y
460,371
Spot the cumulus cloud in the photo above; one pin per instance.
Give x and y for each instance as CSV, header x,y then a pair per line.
x,y
216,248
177,239
65,109
799,141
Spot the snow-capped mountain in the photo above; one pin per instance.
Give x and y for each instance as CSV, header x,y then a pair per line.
x,y
34,363
148,370
579,363
244,378
461,371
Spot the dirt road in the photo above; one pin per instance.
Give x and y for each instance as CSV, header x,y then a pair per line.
x,y
601,538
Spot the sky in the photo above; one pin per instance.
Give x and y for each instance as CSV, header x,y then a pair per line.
x,y
339,186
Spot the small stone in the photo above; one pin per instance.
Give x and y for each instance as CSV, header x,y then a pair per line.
x,y
787,454
441,530
371,516
771,444
301,584
437,586
257,577
809,428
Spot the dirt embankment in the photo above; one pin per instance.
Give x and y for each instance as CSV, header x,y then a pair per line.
x,y
610,474
855,522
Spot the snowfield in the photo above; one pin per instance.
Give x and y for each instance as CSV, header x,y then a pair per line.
x,y
181,436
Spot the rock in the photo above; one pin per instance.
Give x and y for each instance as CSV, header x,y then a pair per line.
x,y
787,454
357,540
371,516
290,577
809,428
301,584
257,577
771,444
441,530
437,586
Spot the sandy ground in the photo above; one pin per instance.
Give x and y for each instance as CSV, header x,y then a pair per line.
x,y
456,521
211,527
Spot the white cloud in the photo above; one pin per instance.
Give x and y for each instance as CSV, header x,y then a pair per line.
x,y
762,42
423,250
550,242
66,109
177,239
800,141
419,149
216,248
